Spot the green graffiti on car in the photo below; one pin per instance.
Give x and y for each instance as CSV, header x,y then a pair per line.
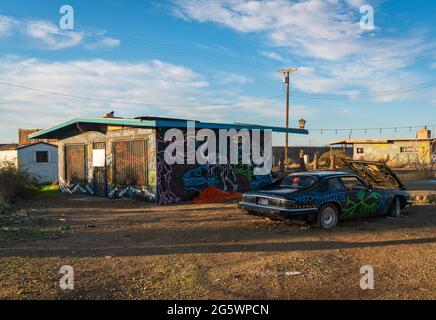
x,y
365,204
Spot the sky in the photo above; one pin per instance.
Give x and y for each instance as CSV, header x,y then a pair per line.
x,y
220,61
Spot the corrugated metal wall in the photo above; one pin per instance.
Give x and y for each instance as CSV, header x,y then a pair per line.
x,y
75,163
130,163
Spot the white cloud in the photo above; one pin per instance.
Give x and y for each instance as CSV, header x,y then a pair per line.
x,y
323,29
336,56
6,25
232,78
272,55
47,35
52,36
134,88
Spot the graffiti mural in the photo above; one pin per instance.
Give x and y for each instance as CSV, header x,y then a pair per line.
x,y
135,168
364,204
222,176
76,187
202,182
316,199
131,192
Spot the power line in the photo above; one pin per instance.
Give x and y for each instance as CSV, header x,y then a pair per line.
x,y
401,90
187,52
149,45
214,104
365,130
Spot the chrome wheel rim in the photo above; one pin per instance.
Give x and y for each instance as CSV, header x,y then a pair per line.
x,y
328,217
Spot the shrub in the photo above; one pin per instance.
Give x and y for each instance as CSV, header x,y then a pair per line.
x,y
14,184
324,159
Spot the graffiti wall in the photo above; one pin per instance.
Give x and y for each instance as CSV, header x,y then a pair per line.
x,y
130,163
110,164
201,183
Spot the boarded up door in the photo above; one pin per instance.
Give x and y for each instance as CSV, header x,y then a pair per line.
x,y
75,163
130,163
100,173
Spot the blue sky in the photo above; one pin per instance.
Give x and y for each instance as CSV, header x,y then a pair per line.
x,y
218,61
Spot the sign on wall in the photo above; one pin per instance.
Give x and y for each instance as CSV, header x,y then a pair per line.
x,y
98,158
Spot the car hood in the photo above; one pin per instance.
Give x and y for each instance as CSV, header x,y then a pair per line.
x,y
376,174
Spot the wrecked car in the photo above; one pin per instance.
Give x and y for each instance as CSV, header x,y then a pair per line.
x,y
325,197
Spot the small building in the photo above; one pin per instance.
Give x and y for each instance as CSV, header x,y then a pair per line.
x,y
125,157
38,159
396,152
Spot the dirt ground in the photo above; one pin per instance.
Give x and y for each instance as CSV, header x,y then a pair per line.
x,y
123,249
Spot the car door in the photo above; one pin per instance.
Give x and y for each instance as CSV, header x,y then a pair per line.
x,y
334,190
361,200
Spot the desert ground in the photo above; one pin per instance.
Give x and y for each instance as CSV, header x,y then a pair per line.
x,y
123,249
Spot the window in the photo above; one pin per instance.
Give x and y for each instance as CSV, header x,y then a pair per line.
x,y
360,150
333,185
298,182
41,156
352,183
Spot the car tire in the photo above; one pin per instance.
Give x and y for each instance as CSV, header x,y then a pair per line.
x,y
395,209
327,216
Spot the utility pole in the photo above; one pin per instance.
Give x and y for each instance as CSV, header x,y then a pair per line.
x,y
286,75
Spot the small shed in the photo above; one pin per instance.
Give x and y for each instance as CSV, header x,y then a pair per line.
x,y
39,159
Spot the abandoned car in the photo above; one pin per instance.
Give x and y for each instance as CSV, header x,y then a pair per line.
x,y
325,197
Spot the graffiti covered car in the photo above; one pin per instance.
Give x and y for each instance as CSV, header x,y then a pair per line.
x,y
325,197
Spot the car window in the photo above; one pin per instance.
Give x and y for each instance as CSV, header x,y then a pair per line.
x,y
352,183
333,185
298,182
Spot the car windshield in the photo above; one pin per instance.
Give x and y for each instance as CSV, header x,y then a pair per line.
x,y
298,182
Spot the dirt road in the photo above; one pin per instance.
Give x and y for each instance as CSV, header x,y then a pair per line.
x,y
130,250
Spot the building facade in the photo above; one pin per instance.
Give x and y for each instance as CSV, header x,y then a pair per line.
x,y
117,158
396,152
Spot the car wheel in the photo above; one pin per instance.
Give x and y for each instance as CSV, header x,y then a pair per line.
x,y
395,210
327,216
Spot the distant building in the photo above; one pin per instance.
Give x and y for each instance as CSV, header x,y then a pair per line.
x,y
39,159
397,152
23,137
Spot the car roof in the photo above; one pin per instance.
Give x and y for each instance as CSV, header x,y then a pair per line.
x,y
323,174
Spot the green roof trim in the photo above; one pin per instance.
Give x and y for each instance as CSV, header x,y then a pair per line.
x,y
159,123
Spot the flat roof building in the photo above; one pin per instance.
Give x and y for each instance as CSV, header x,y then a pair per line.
x,y
396,152
125,157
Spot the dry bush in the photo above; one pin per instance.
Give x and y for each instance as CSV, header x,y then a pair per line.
x,y
426,171
14,184
324,159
